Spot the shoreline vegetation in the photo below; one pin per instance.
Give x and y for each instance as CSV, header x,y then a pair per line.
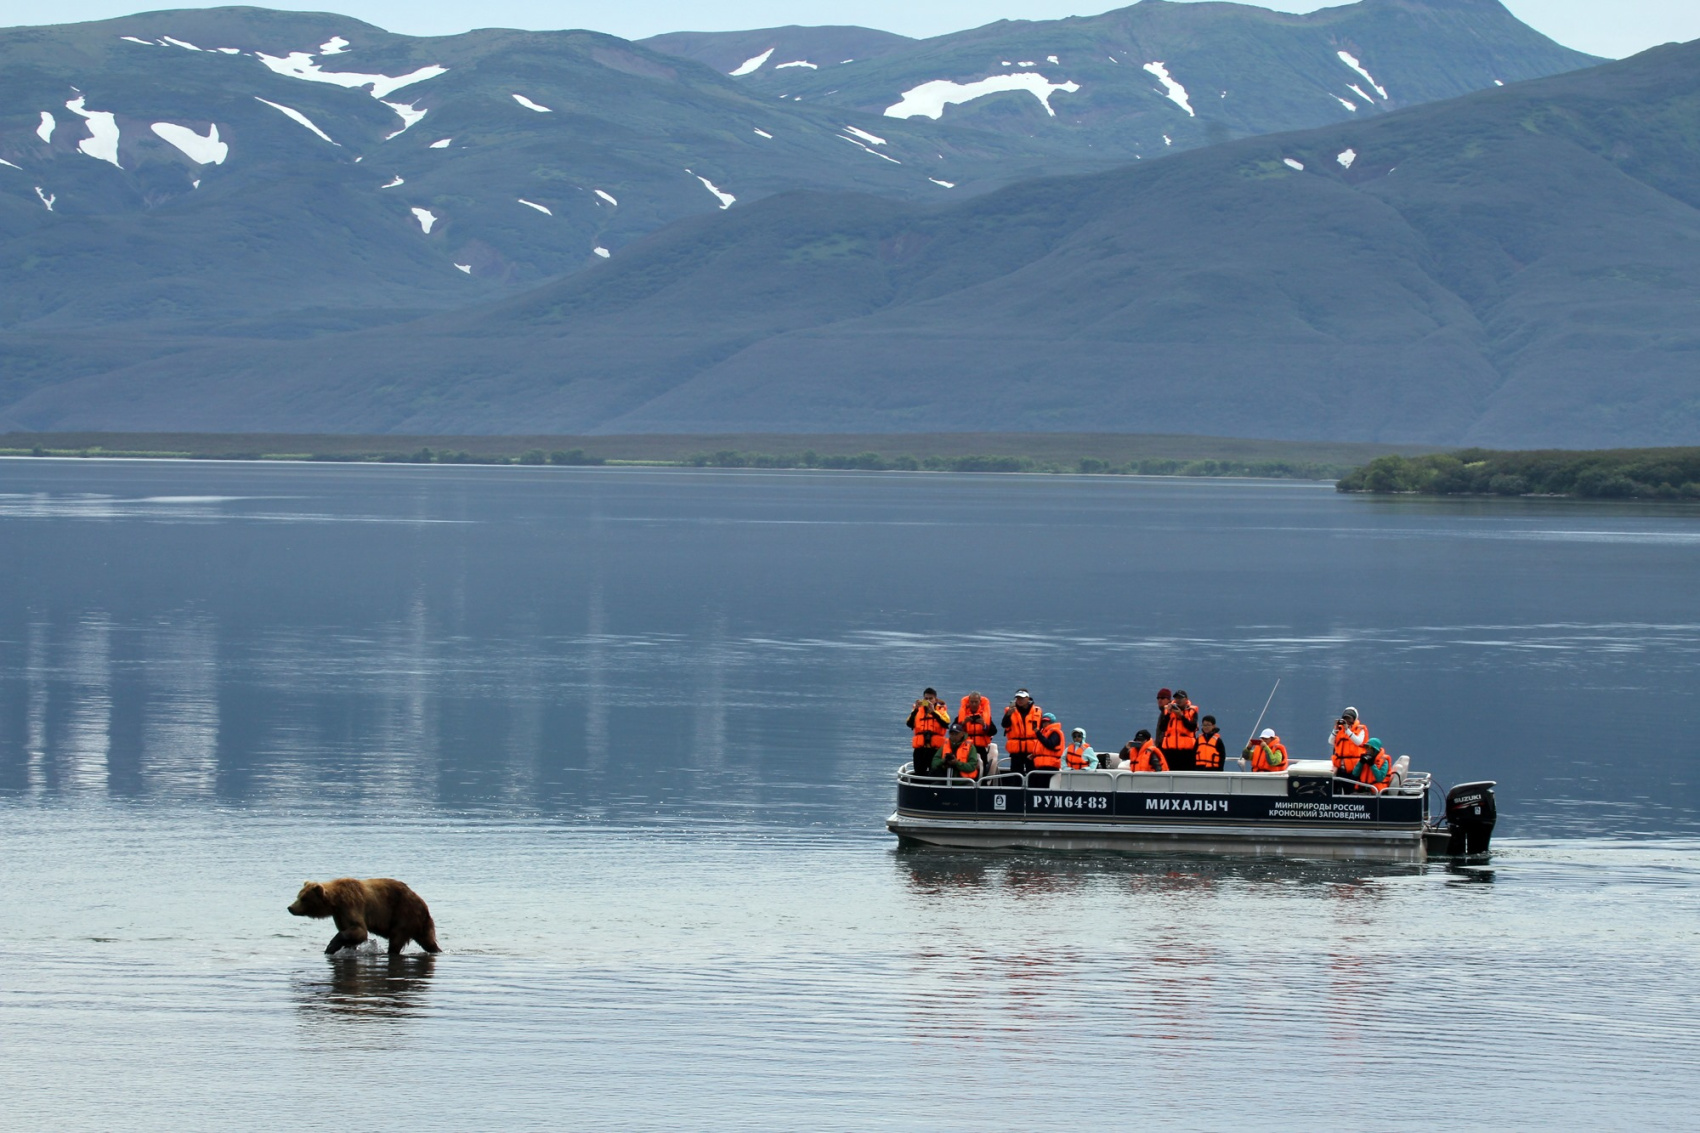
x,y
1658,474
1104,454
1606,474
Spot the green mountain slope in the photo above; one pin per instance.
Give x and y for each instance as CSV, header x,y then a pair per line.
x,y
1514,268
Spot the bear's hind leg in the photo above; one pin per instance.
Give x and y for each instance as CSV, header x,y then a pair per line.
x,y
397,943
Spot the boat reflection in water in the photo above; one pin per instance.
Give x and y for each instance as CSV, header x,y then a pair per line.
x,y
1305,811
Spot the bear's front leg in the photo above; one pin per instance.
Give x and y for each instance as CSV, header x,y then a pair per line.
x,y
351,937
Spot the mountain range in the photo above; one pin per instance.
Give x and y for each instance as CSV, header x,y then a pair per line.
x,y
1510,266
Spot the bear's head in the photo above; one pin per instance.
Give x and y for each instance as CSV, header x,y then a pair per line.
x,y
311,901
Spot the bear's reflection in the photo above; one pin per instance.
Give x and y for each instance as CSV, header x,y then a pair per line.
x,y
366,985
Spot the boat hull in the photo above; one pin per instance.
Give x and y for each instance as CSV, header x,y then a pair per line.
x,y
1300,816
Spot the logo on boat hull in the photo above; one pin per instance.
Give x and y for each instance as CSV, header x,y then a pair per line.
x,y
1000,802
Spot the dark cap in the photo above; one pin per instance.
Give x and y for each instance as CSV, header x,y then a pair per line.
x,y
1180,692
1141,736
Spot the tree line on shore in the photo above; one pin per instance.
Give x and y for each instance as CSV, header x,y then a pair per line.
x,y
1652,474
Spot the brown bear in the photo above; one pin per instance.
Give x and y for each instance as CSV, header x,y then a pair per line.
x,y
379,904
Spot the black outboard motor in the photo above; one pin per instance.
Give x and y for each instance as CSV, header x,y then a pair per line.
x,y
1470,816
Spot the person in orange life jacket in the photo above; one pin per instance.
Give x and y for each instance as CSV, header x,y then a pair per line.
x,y
1050,754
961,758
1350,740
1211,749
1021,721
975,715
1078,755
930,721
1177,731
1267,752
1375,767
1142,754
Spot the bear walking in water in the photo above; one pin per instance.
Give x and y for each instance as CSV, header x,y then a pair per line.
x,y
380,905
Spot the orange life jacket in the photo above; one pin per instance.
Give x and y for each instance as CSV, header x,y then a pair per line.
x,y
978,723
1376,770
1075,756
1348,749
1022,735
930,726
963,760
1209,754
1268,755
1180,729
1049,755
1147,757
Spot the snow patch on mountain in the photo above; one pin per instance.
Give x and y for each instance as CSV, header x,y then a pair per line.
x,y
178,43
609,197
929,99
143,42
393,182
796,63
946,184
869,149
765,134
544,209
726,199
1359,91
408,115
1346,157
9,165
46,198
1293,163
1053,60
45,130
467,268
102,142
1346,102
753,64
601,251
296,116
206,150
865,136
530,105
1174,92
302,65
426,218
335,45
1351,61
440,143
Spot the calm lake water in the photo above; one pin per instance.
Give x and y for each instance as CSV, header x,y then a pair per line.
x,y
632,734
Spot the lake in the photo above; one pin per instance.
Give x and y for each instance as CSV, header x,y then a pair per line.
x,y
633,733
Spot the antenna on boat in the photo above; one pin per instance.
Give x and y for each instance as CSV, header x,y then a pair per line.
x,y
1260,715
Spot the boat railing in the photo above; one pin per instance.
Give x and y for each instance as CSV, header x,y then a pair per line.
x,y
1412,784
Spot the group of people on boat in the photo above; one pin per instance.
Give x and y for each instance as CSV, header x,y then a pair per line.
x,y
965,748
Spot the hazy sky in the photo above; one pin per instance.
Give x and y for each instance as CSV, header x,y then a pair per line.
x,y
1603,27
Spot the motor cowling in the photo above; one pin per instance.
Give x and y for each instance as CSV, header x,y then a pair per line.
x,y
1470,815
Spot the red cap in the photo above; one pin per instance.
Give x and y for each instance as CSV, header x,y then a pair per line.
x,y
1162,694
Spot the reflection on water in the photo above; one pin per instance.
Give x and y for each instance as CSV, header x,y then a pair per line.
x,y
366,987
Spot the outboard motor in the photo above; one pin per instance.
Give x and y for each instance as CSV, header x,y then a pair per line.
x,y
1470,815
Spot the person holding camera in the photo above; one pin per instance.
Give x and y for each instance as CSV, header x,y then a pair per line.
x,y
975,716
1267,752
1177,730
929,720
1350,740
1142,754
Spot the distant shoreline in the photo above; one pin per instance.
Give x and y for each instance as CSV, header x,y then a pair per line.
x,y
1105,454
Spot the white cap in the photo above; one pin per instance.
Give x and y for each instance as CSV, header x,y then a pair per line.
x,y
1267,734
